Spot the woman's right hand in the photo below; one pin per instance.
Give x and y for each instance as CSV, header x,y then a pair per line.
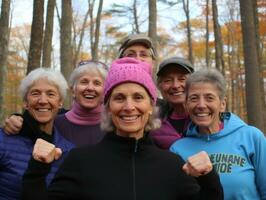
x,y
45,152
13,125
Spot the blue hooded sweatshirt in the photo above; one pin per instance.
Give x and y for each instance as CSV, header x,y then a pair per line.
x,y
237,152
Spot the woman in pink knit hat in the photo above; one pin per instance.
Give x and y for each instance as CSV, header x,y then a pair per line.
x,y
125,164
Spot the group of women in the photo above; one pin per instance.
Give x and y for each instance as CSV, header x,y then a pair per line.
x,y
125,164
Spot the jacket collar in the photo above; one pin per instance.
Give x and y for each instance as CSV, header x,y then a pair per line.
x,y
128,144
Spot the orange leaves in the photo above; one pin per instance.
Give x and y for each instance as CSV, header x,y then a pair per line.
x,y
262,28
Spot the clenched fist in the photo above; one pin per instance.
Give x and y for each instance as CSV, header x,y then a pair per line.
x,y
45,152
198,164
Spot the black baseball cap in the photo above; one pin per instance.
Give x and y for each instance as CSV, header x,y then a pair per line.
x,y
177,62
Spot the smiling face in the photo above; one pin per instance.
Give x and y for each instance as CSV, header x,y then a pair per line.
x,y
88,90
172,85
130,107
43,101
204,106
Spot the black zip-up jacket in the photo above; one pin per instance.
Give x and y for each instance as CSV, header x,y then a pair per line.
x,y
120,168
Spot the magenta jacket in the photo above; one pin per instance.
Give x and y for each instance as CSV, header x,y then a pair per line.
x,y
165,136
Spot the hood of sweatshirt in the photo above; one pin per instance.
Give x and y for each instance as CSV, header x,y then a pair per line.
x,y
231,124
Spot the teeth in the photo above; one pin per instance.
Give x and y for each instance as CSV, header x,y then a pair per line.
x,y
89,96
43,109
202,114
177,93
129,118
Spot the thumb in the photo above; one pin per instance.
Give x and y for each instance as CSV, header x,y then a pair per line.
x,y
58,153
185,168
20,119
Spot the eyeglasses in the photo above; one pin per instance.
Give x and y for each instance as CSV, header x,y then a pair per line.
x,y
133,54
98,63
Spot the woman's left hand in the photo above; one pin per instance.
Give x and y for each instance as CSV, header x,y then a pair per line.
x,y
198,164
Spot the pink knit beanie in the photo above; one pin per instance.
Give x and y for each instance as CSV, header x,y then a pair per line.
x,y
129,70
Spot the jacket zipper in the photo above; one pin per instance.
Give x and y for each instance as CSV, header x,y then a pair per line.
x,y
134,170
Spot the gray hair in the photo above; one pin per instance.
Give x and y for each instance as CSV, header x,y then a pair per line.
x,y
153,122
212,76
87,67
51,75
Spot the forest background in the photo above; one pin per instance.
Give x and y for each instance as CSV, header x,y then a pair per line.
x,y
229,35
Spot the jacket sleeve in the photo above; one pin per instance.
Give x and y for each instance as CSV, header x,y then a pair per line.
x,y
33,181
211,187
66,182
258,158
206,187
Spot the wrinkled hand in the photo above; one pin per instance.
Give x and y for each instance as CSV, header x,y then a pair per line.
x,y
45,152
198,164
13,124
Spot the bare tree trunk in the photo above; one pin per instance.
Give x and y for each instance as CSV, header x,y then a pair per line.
x,y
153,20
36,38
57,13
74,41
189,40
256,23
242,107
232,103
77,51
153,26
97,32
65,41
135,16
218,39
48,34
253,87
4,38
231,95
207,53
66,47
91,8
